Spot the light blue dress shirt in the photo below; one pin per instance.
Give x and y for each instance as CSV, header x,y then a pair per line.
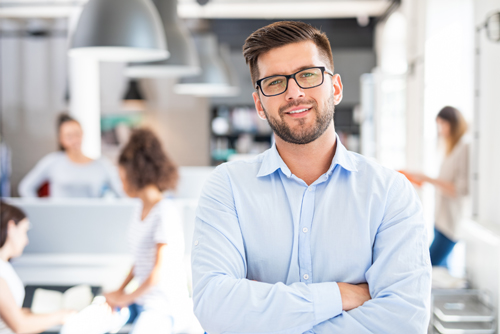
x,y
268,249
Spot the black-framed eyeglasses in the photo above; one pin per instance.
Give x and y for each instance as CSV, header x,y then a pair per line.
x,y
278,84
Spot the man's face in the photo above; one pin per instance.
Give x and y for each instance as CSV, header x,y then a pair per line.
x,y
318,103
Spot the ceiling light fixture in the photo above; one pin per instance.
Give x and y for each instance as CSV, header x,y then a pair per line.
x,y
183,60
119,30
215,78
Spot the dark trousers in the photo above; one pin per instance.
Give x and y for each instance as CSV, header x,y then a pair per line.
x,y
440,249
135,311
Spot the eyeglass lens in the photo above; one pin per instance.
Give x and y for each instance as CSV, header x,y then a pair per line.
x,y
307,78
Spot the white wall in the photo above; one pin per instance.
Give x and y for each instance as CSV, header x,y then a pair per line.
x,y
415,13
482,236
182,122
33,83
488,119
448,77
440,72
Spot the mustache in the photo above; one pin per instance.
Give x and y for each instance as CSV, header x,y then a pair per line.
x,y
296,103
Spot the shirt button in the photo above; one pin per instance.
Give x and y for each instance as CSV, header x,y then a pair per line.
x,y
196,243
309,189
305,230
306,276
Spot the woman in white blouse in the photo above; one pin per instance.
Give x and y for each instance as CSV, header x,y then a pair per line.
x,y
13,318
69,172
452,184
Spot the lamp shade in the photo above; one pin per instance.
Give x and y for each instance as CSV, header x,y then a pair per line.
x,y
214,80
119,30
133,91
183,60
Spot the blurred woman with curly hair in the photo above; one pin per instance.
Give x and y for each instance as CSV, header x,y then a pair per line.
x,y
155,237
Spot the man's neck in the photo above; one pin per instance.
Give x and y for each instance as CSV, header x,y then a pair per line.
x,y
308,162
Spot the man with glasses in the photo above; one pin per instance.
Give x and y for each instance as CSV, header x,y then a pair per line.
x,y
307,237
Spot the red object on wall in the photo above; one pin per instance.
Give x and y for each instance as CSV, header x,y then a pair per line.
x,y
43,191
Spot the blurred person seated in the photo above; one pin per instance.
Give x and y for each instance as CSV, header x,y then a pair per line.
x,y
156,241
68,172
452,183
13,318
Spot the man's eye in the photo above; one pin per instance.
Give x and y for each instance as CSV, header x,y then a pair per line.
x,y
307,74
275,82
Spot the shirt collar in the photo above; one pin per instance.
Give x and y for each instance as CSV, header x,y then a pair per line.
x,y
272,161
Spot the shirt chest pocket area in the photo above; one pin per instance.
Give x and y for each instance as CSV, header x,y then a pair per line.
x,y
268,243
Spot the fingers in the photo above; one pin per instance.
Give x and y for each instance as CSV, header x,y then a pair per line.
x,y
353,296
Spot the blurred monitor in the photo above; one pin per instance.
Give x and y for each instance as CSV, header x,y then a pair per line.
x,y
92,226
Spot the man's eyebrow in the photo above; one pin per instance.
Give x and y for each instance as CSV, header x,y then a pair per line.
x,y
294,71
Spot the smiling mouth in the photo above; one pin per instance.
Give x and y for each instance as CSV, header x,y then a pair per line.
x,y
298,111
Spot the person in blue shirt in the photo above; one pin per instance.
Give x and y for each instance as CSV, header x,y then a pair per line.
x,y
307,237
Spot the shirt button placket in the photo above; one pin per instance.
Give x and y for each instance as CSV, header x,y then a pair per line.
x,y
306,217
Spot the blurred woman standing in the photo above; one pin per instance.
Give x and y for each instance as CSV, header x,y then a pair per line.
x,y
69,172
452,184
156,240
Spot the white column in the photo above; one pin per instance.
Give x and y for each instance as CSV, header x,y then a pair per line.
x,y
415,12
85,103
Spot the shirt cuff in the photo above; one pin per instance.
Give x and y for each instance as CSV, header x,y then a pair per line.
x,y
327,300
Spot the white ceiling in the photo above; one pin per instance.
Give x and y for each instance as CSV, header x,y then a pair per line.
x,y
39,8
276,9
267,9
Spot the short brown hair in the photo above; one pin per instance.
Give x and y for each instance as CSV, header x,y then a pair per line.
x,y
145,162
458,126
280,34
8,213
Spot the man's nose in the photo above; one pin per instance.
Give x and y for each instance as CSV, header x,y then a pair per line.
x,y
293,91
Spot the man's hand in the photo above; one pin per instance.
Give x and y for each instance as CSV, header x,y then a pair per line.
x,y
353,295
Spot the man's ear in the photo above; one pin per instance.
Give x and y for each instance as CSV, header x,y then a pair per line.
x,y
258,106
338,89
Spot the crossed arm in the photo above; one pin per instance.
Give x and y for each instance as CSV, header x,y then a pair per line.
x,y
399,279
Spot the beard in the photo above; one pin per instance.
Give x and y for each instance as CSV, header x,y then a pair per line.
x,y
303,135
